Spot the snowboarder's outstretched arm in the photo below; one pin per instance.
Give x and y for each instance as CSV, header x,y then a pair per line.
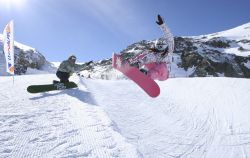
x,y
167,35
156,54
82,67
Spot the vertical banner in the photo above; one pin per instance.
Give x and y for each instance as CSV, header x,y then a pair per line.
x,y
8,46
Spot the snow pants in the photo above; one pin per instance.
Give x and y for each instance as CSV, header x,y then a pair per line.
x,y
63,76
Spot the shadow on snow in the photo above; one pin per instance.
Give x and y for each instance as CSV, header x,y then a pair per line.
x,y
81,95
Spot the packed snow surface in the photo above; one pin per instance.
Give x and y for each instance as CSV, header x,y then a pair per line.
x,y
192,117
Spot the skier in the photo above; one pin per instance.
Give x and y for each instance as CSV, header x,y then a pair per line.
x,y
153,62
68,67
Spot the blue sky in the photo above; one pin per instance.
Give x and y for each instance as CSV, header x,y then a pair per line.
x,y
94,29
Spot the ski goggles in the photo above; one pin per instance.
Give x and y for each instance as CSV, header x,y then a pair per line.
x,y
72,58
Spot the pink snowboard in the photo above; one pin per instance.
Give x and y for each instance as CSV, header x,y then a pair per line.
x,y
146,83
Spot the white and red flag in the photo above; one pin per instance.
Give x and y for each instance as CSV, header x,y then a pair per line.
x,y
8,43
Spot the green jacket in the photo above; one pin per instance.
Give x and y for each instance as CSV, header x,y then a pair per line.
x,y
69,67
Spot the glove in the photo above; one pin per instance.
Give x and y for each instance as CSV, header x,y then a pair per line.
x,y
160,20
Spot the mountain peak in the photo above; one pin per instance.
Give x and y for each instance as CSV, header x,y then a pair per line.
x,y
238,33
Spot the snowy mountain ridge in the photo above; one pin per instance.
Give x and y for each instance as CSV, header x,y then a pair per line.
x,y
241,32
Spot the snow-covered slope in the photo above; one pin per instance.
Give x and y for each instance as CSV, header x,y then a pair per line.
x,y
241,36
241,32
192,117
57,124
198,117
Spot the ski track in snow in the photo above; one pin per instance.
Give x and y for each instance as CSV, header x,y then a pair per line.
x,y
198,117
56,124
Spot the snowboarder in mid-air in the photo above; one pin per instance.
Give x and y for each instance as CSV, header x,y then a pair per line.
x,y
68,67
149,64
154,61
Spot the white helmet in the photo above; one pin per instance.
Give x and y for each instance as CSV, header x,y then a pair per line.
x,y
161,45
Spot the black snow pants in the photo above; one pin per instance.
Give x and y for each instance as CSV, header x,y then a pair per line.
x,y
63,76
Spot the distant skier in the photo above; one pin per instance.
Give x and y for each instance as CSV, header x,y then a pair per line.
x,y
68,67
153,62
